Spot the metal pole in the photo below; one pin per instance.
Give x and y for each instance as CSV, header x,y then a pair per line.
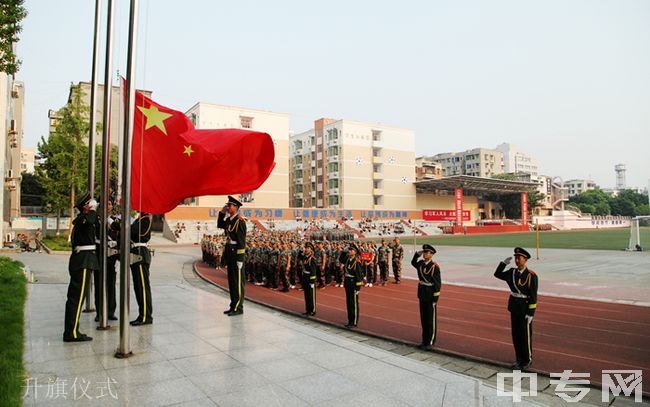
x,y
106,157
537,236
124,349
91,133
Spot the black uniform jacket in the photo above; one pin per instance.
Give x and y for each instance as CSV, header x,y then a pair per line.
x,y
83,234
429,276
524,287
235,229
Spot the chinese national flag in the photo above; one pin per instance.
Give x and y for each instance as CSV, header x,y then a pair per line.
x,y
171,160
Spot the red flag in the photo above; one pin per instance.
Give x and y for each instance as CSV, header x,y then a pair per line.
x,y
171,160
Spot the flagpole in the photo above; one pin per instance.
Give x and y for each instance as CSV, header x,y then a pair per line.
x,y
106,160
91,133
124,349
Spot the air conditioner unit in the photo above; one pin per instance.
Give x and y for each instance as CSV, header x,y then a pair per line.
x,y
10,174
14,91
11,185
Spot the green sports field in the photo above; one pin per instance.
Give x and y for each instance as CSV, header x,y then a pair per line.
x,y
604,239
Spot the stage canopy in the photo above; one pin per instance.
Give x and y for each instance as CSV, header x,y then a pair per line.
x,y
474,185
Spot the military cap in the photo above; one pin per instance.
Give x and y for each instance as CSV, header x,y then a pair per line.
x,y
310,245
232,200
353,247
83,201
521,252
428,248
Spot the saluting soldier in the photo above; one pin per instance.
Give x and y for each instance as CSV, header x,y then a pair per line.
x,y
235,230
352,283
522,303
398,255
309,271
140,263
83,260
428,293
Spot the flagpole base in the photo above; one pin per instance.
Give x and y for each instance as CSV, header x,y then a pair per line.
x,y
121,355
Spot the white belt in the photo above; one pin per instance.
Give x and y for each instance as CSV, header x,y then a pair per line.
x,y
97,241
425,283
138,244
85,248
232,242
518,295
349,275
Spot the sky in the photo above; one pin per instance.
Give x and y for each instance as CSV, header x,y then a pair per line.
x,y
566,81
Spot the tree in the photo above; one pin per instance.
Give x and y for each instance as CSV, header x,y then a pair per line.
x,y
65,155
12,13
31,190
511,203
595,202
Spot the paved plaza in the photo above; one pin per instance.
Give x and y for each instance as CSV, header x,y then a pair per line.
x,y
194,355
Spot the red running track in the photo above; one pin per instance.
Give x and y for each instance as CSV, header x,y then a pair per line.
x,y
581,335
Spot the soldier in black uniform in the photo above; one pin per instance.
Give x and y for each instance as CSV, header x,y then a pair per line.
x,y
235,230
353,273
428,293
112,256
521,304
141,260
83,261
309,272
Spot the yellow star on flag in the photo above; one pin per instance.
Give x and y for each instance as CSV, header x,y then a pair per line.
x,y
188,150
155,118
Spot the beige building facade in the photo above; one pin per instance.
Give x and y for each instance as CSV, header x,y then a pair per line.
x,y
348,164
275,191
477,162
12,100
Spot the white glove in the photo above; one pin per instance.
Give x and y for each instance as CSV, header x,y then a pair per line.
x,y
419,252
118,216
311,285
110,220
112,243
240,264
434,305
529,319
507,260
92,205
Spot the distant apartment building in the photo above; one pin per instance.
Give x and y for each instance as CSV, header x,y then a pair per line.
x,y
27,160
516,160
477,162
117,113
352,165
578,186
427,169
274,193
12,100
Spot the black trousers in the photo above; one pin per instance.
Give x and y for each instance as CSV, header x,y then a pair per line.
x,y
352,300
522,338
428,315
142,288
236,279
383,271
309,288
111,277
76,293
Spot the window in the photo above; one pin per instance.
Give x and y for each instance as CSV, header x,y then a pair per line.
x,y
297,144
246,122
299,160
376,152
333,183
333,167
377,184
378,199
376,167
332,151
376,135
334,200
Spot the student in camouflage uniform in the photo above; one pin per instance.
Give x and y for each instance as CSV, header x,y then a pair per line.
x,y
284,264
383,256
274,255
320,257
293,272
